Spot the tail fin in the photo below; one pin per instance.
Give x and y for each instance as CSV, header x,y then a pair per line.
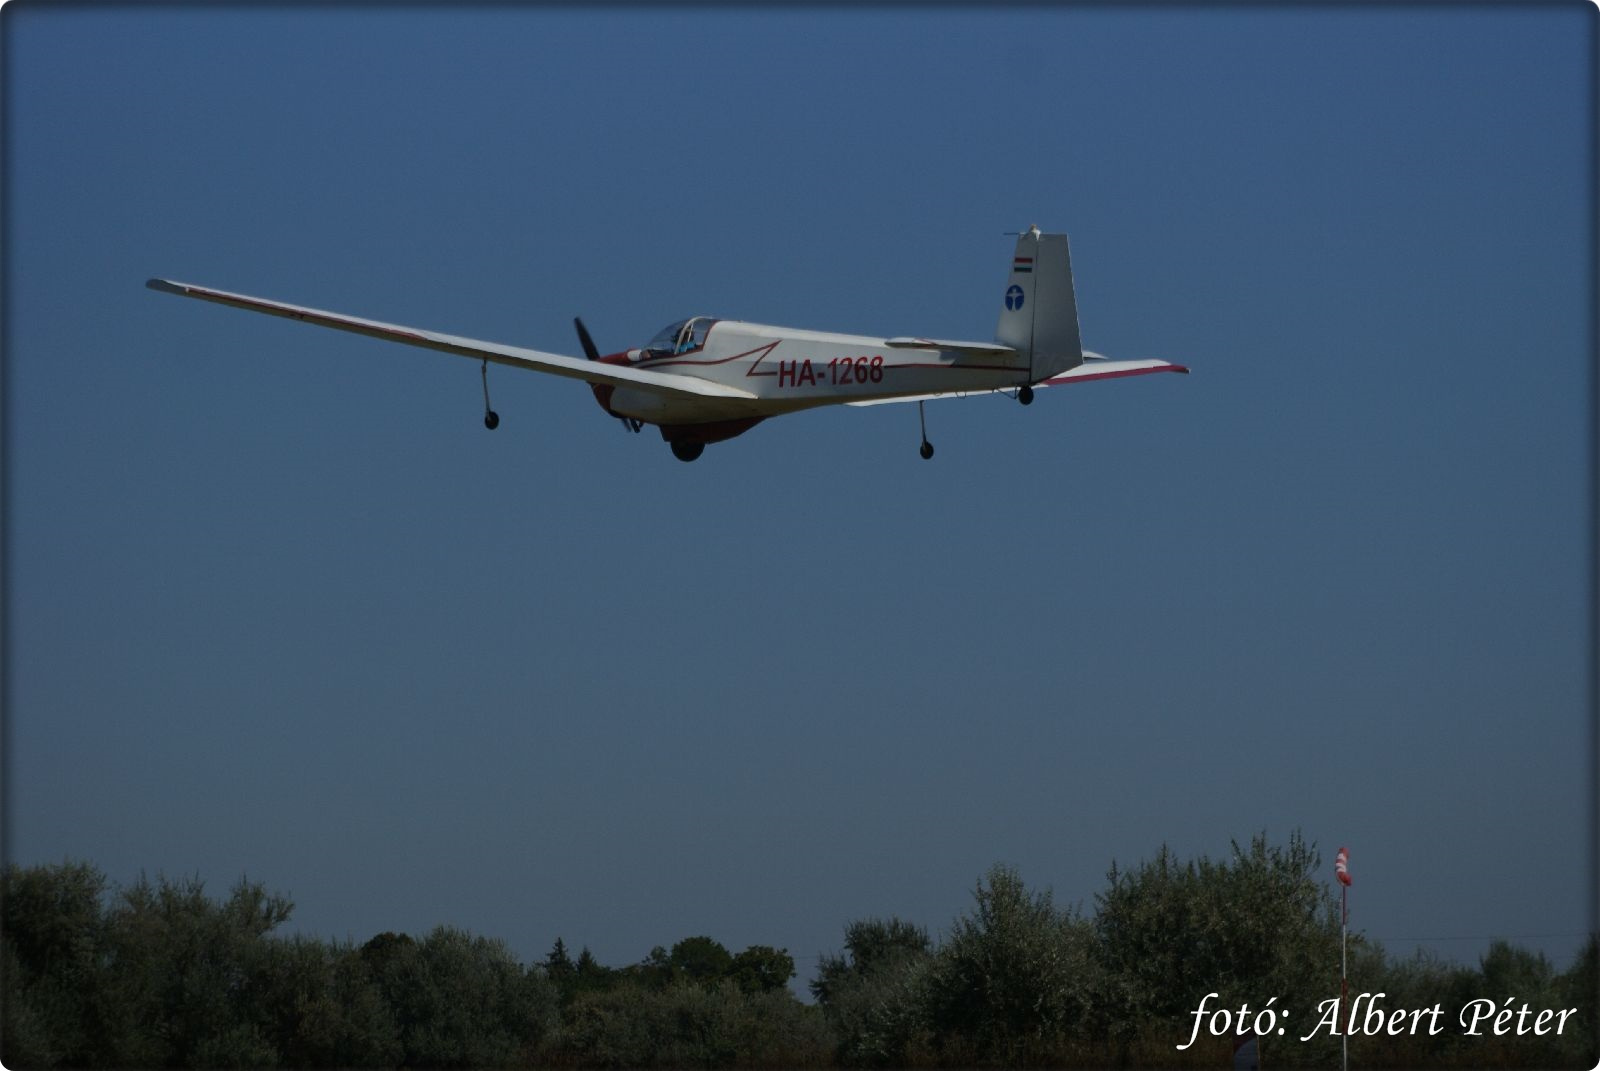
x,y
1040,317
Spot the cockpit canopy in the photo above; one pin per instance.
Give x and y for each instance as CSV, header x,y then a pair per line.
x,y
680,337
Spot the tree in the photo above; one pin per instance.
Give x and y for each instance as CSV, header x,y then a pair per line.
x,y
875,995
761,968
1509,972
52,931
464,1001
1579,988
1258,923
589,975
324,1006
870,945
699,959
180,977
1015,977
382,950
558,964
687,1025
654,971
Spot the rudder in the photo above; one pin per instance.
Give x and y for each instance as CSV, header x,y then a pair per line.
x,y
1039,317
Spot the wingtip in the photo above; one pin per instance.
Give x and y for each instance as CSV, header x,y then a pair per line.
x,y
164,286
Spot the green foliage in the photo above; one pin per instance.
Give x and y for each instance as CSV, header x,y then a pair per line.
x,y
571,978
699,959
761,969
191,972
1580,988
875,994
159,974
703,962
881,1016
870,945
51,917
326,1008
695,1006
1256,925
1509,971
464,1001
53,933
1016,977
687,1025
558,965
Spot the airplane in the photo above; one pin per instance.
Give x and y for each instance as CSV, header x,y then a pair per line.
x,y
703,380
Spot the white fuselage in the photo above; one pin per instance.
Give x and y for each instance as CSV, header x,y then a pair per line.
x,y
787,369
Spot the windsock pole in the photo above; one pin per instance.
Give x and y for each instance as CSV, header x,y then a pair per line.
x,y
1344,976
1341,870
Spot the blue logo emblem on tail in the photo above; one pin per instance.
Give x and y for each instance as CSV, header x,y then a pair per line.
x,y
1014,298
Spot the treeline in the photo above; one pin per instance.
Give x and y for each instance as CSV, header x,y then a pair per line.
x,y
158,974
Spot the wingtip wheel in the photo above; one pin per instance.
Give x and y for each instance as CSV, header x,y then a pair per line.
x,y
491,419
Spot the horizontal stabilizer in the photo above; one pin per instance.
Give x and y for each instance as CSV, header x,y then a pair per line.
x,y
1095,367
1100,368
988,348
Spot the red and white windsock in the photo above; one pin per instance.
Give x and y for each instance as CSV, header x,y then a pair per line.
x,y
1341,867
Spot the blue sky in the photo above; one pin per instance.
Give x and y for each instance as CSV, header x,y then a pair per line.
x,y
279,605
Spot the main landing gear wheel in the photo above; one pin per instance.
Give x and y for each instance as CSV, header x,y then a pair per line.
x,y
927,450
491,420
687,451
1025,395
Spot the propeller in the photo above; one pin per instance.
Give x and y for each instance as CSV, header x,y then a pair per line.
x,y
591,351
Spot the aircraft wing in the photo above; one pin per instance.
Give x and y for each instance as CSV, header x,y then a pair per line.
x,y
1093,367
514,356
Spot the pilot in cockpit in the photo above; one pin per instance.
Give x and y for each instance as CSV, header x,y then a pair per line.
x,y
677,338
